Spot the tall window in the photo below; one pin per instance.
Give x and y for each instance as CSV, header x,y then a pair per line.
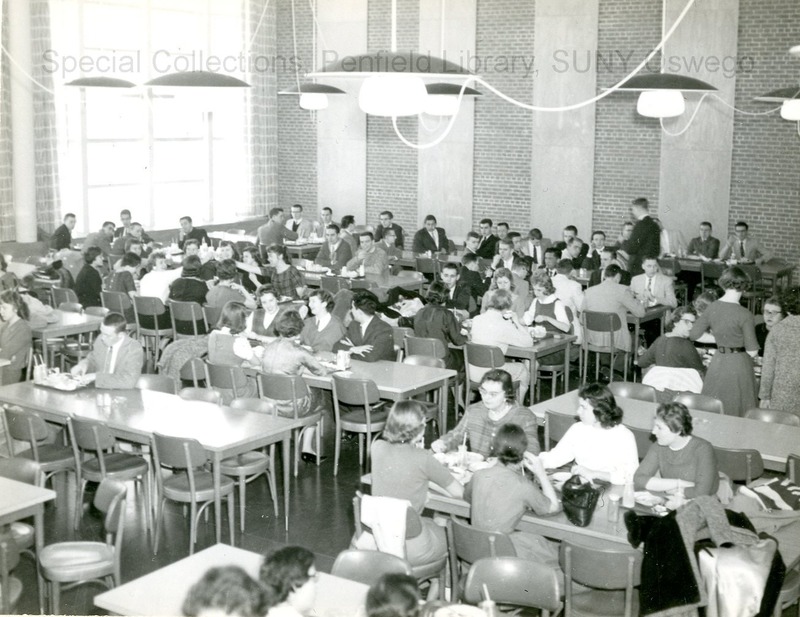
x,y
161,154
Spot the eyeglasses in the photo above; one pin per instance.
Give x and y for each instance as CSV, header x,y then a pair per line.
x,y
485,392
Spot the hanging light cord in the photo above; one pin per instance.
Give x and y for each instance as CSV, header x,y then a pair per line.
x,y
294,45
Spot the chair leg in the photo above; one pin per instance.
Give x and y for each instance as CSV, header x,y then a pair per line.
x,y
297,447
193,522
242,501
232,518
55,597
273,489
319,441
157,534
78,503
337,446
361,449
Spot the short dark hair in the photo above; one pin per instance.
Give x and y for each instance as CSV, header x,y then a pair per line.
x,y
69,215
369,234
469,258
603,403
226,270
734,278
275,212
612,270
266,288
327,209
393,595
707,224
641,202
191,265
512,234
188,219
116,321
564,266
387,213
553,251
741,224
253,252
365,301
450,265
289,324
509,444
334,227
677,418
571,228
131,259
677,314
486,222
325,297
598,231
285,570
535,234
108,224
498,375
503,224
234,316
12,297
125,211
229,589
506,242
297,206
473,234
280,250
191,242
430,217
437,293
90,254
347,220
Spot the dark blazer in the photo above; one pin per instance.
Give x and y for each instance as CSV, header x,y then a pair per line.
x,y
343,254
89,286
645,241
271,233
378,334
61,239
596,277
474,281
437,322
398,231
488,246
423,241
197,233
461,298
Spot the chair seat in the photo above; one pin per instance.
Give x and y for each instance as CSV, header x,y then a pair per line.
x,y
23,535
15,591
245,464
604,349
177,487
52,456
357,420
790,591
603,603
75,561
426,571
117,464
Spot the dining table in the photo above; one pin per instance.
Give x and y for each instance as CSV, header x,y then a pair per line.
x,y
396,381
135,415
163,591
773,270
542,347
66,323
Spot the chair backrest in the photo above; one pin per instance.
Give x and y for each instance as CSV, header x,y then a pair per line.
x,y
206,395
149,306
418,360
399,333
63,294
740,465
754,272
669,266
777,416
793,467
600,322
512,580
334,284
555,425
71,307
701,402
484,356
710,271
188,312
9,558
89,435
25,425
116,301
428,265
603,568
110,500
368,566
159,383
177,452
258,405
355,391
363,284
22,470
638,391
644,439
194,370
225,376
283,388
97,311
212,314
470,544
421,346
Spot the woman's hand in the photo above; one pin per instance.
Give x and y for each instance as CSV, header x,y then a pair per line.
x,y
540,319
438,446
584,472
533,463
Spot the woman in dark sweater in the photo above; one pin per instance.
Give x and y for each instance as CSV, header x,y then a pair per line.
x,y
89,284
435,321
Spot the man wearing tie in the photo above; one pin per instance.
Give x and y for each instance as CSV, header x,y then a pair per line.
x,y
742,246
535,246
652,288
297,224
488,244
430,238
115,362
335,252
551,257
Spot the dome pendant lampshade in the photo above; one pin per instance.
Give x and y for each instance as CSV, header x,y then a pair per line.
x,y
313,96
197,79
790,110
392,95
661,103
443,98
313,101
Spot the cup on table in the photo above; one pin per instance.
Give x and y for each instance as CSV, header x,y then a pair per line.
x,y
613,508
490,608
463,455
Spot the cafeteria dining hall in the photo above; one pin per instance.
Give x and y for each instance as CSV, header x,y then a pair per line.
x,y
400,308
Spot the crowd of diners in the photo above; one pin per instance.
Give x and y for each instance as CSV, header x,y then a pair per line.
x,y
506,285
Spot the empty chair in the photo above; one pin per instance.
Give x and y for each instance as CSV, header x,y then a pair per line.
x,y
710,271
601,323
27,471
74,348
106,461
159,383
188,484
230,381
362,413
10,586
555,426
740,465
468,544
773,415
516,582
638,391
400,335
611,572
435,412
207,395
120,302
29,427
63,294
701,402
368,566
84,561
248,466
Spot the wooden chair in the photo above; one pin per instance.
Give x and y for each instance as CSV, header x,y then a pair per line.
x,y
363,413
63,294
435,411
28,426
120,302
145,306
334,284
159,383
368,566
515,583
189,484
194,370
187,316
400,334
207,395
227,378
710,271
701,402
637,391
83,561
488,357
757,293
433,348
740,464
602,323
292,388
555,426
612,573
467,545
248,466
212,314
671,267
773,415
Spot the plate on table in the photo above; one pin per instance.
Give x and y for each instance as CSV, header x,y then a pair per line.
x,y
647,499
459,610
454,459
62,381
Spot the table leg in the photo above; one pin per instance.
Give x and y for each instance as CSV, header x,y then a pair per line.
x,y
38,529
443,406
532,384
287,463
44,349
217,473
566,369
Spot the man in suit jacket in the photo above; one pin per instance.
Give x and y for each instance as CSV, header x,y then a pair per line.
x,y
387,222
115,362
653,287
576,252
459,294
743,246
645,241
188,232
274,232
704,245
608,257
296,223
62,236
535,246
488,243
348,232
335,252
101,239
611,297
368,336
430,238
596,247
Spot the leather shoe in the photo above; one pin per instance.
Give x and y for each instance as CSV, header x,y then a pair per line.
x,y
308,457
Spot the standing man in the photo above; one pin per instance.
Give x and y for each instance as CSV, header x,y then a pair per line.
x,y
376,265
431,238
535,246
705,246
298,224
188,232
115,362
101,239
645,241
368,336
488,244
387,223
334,252
62,236
744,247
274,232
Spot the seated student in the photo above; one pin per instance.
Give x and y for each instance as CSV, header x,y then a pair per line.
x,y
225,590
457,293
8,280
516,241
39,313
189,232
501,494
773,312
472,277
435,321
189,287
348,232
394,595
115,361
388,245
503,280
608,256
15,336
89,284
368,337
159,277
430,238
334,252
227,289
261,322
322,330
387,224
286,280
228,346
290,580
123,281
253,278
